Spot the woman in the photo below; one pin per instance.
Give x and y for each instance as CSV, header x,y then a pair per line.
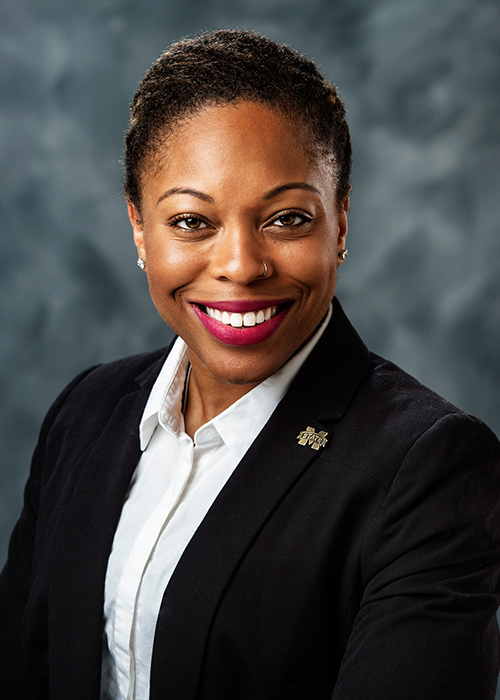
x,y
264,510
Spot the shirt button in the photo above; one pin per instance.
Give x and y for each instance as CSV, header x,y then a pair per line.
x,y
208,434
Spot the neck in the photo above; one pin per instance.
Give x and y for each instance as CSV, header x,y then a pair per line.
x,y
206,396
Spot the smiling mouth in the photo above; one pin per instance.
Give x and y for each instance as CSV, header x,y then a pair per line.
x,y
242,322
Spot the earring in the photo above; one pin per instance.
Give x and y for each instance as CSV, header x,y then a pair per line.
x,y
265,269
343,253
141,262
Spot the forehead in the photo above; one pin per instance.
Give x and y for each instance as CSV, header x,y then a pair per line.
x,y
239,125
240,141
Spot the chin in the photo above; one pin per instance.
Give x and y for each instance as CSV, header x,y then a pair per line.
x,y
242,370
242,376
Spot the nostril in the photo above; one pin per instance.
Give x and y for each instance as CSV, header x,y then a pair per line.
x,y
240,269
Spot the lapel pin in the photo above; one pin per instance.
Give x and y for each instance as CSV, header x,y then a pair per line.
x,y
312,438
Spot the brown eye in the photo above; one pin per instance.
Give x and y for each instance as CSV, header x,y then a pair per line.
x,y
290,219
191,223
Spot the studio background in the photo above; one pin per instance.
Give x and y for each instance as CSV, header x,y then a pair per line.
x,y
421,84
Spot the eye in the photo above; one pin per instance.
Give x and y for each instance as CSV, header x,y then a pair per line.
x,y
188,222
290,218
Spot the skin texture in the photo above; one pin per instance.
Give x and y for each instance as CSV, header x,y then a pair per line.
x,y
234,157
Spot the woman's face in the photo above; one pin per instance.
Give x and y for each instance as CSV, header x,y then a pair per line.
x,y
232,189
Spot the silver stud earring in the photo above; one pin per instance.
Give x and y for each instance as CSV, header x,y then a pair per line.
x,y
141,262
343,253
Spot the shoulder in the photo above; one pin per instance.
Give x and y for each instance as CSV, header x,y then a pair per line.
x,y
122,372
98,389
399,392
394,416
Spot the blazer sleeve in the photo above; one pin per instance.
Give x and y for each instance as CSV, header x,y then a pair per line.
x,y
426,627
15,578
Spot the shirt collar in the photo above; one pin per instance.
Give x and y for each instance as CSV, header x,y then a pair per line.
x,y
165,399
241,422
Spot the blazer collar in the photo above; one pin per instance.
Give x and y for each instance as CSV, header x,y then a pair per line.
x,y
333,371
148,377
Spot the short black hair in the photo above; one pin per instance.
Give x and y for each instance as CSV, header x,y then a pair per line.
x,y
225,66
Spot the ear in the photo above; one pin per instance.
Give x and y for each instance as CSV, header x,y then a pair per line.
x,y
342,230
137,226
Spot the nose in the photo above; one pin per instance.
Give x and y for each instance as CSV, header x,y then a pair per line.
x,y
238,256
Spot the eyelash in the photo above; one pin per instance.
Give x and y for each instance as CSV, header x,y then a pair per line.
x,y
305,219
184,217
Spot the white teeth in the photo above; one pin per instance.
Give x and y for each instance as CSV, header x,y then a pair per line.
x,y
250,318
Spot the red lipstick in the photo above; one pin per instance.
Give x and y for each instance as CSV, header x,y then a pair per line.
x,y
244,335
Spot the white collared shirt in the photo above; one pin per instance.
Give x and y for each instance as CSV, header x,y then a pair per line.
x,y
175,483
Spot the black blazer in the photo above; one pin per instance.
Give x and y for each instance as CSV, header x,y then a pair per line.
x,y
365,570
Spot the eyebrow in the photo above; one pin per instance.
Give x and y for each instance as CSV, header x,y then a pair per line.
x,y
186,190
291,186
269,195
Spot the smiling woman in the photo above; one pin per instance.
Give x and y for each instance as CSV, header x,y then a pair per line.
x,y
265,509
206,226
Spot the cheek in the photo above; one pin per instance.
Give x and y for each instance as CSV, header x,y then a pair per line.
x,y
165,282
170,265
316,268
161,252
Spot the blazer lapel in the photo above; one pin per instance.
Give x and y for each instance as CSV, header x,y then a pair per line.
x,y
77,584
317,398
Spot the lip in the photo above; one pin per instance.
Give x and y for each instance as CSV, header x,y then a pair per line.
x,y
242,307
240,336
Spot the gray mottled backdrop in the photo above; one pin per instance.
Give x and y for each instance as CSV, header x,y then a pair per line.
x,y
421,81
